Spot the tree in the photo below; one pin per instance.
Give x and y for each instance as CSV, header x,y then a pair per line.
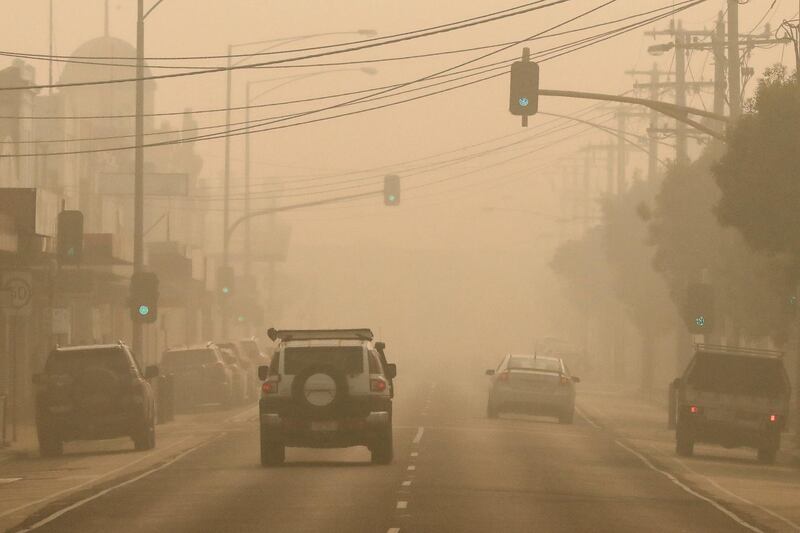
x,y
759,174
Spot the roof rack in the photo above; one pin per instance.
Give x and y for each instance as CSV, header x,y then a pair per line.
x,y
362,334
701,346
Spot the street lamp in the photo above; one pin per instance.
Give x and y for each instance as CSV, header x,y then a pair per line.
x,y
274,43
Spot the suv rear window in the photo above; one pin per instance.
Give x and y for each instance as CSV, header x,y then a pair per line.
x,y
74,362
187,358
734,374
348,359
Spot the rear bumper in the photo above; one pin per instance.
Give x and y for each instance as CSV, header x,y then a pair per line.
x,y
330,433
78,426
729,433
507,398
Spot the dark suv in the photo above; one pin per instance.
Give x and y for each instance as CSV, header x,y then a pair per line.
x,y
200,375
326,389
733,397
94,392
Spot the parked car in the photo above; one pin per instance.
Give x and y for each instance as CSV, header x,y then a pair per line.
x,y
734,397
239,376
532,384
94,392
248,363
325,389
200,375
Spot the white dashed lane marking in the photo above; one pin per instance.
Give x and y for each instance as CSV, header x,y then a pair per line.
x,y
411,467
418,437
414,454
402,505
407,483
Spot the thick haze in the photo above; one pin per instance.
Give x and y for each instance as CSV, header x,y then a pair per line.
x,y
446,266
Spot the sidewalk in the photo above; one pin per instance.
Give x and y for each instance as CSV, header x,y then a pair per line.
x,y
29,482
733,477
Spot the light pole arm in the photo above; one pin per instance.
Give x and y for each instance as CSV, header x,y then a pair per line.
x,y
261,212
680,113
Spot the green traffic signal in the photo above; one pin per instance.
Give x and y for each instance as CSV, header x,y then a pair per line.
x,y
144,310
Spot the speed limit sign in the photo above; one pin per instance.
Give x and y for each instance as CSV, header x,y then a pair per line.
x,y
17,287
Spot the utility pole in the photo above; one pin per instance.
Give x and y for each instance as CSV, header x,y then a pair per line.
x,y
734,67
681,146
654,85
50,62
718,48
138,180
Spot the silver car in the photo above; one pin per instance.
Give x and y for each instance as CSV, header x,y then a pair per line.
x,y
534,385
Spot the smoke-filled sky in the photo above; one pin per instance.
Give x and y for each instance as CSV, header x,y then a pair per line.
x,y
496,198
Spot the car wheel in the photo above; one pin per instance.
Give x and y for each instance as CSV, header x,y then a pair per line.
x,y
50,445
273,453
684,443
492,409
768,451
383,448
567,416
145,438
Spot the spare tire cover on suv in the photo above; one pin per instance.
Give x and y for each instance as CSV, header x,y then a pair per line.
x,y
319,389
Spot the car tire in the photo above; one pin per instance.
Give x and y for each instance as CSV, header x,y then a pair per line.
x,y
684,443
382,449
273,453
50,445
768,451
567,416
145,438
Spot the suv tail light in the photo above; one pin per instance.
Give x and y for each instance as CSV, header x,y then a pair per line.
x,y
693,409
269,387
564,380
773,418
377,385
503,376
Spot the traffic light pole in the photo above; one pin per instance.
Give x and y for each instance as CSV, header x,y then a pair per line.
x,y
138,187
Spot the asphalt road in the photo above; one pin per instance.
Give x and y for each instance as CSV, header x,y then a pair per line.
x,y
454,471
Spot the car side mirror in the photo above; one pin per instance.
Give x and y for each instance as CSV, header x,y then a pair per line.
x,y
576,379
676,383
38,379
391,370
263,372
151,372
490,372
380,346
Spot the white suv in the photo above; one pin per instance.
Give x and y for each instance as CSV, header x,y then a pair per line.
x,y
326,389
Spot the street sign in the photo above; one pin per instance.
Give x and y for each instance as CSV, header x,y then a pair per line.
x,y
19,284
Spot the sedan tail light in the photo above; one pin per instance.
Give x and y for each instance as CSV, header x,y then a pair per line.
x,y
564,380
503,376
773,418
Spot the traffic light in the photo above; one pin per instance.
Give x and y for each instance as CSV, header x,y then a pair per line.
x,y
391,190
700,308
69,237
524,100
143,300
225,281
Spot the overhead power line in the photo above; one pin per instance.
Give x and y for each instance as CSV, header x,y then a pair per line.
x,y
249,129
291,59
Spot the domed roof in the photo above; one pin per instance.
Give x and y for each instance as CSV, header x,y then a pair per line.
x,y
110,69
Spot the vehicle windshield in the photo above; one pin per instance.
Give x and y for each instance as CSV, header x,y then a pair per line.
x,y
74,362
733,374
187,358
524,362
347,359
